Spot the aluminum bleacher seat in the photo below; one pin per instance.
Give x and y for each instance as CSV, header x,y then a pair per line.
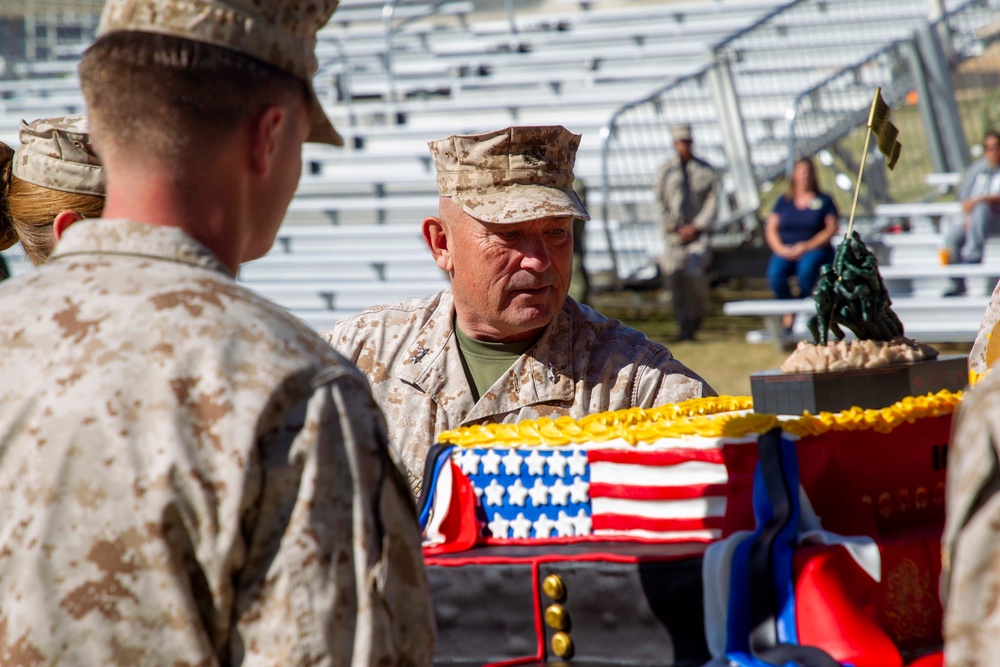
x,y
462,70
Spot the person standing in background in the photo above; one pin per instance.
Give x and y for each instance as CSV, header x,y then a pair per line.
x,y
687,190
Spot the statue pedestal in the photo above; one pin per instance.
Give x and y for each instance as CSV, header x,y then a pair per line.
x,y
780,393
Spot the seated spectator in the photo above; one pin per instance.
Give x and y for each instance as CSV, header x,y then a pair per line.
x,y
52,181
979,193
798,231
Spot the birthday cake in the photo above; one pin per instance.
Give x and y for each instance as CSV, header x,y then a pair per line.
x,y
582,540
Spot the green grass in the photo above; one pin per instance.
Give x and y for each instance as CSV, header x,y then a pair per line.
x,y
721,354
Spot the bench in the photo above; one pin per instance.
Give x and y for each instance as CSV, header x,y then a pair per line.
x,y
948,179
935,319
344,295
934,210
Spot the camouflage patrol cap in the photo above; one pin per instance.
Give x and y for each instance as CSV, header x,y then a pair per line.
x,y
56,153
681,132
278,32
511,175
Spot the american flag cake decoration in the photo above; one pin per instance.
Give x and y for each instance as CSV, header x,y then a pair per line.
x,y
620,484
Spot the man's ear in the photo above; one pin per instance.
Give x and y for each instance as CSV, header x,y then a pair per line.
x,y
436,236
62,222
265,130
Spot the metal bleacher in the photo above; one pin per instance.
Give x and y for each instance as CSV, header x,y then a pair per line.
x,y
393,80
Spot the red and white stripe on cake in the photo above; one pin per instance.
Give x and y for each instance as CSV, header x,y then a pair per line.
x,y
676,494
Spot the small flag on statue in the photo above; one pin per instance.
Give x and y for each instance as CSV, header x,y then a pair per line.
x,y
882,127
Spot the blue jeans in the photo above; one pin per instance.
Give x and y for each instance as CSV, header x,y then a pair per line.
x,y
806,269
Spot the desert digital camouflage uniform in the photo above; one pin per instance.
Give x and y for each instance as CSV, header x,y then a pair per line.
x,y
511,175
190,476
699,208
986,349
57,153
688,194
583,363
971,558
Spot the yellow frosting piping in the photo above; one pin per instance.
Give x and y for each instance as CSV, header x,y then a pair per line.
x,y
696,417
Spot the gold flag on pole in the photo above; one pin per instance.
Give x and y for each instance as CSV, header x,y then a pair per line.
x,y
882,127
887,133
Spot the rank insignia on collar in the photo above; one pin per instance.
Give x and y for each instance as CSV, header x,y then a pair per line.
x,y
553,376
419,355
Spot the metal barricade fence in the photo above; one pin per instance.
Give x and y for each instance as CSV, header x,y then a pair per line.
x,y
641,136
828,118
799,81
828,121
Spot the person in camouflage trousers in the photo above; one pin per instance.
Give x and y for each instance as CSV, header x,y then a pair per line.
x,y
190,475
505,343
687,190
52,150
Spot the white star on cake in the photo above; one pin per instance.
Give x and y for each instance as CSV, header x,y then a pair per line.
x,y
517,493
539,494
564,525
579,491
512,462
557,464
578,463
536,463
469,461
543,526
520,527
499,526
582,523
494,493
491,463
560,492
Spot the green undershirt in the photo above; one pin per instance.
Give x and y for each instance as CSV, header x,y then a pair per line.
x,y
484,362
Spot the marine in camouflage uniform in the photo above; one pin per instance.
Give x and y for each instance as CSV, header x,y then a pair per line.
x,y
687,190
58,150
986,349
190,476
971,557
581,362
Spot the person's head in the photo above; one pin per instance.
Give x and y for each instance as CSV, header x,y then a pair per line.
x,y
803,178
682,141
991,147
53,177
504,232
179,87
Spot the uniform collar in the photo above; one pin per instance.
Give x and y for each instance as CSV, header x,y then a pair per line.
x,y
542,374
136,239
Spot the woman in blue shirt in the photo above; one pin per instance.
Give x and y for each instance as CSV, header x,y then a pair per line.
x,y
798,231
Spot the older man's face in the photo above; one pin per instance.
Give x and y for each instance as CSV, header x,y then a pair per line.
x,y
508,280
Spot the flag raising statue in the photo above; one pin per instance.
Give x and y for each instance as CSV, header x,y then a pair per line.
x,y
850,292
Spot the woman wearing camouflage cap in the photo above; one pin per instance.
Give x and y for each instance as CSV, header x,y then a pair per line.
x,y
50,182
